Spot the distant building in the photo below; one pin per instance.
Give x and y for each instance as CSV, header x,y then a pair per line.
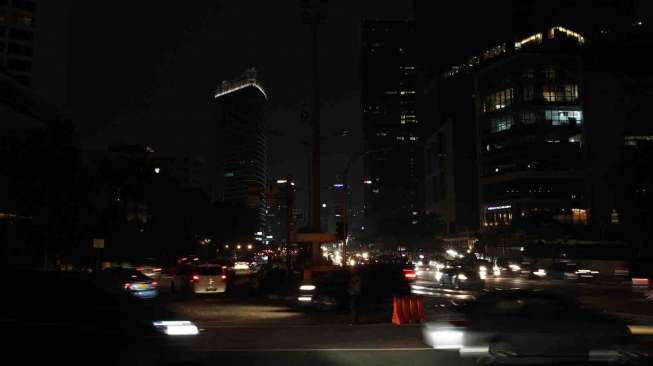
x,y
393,152
618,86
17,27
241,144
451,175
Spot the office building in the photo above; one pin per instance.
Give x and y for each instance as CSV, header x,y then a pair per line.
x,y
393,159
17,27
451,177
241,145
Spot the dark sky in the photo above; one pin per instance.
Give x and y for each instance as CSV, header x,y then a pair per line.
x,y
145,70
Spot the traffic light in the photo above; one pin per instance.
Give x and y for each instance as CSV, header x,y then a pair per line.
x,y
340,230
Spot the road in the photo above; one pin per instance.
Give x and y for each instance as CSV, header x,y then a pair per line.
x,y
238,329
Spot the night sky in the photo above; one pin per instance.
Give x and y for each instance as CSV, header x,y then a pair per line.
x,y
144,71
149,69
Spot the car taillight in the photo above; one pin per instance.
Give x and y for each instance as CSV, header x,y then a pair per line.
x,y
223,277
140,269
409,274
127,285
459,323
195,278
155,284
157,270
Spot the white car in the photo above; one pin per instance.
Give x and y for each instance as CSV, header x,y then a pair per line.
x,y
209,279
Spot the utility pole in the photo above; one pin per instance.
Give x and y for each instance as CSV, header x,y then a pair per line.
x,y
314,13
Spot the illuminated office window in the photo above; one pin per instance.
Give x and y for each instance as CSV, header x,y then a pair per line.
x,y
549,72
502,123
558,118
499,100
560,93
534,39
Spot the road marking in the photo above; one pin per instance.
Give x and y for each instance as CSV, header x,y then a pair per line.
x,y
268,326
400,349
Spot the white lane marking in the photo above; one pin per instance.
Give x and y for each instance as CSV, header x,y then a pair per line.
x,y
401,349
269,326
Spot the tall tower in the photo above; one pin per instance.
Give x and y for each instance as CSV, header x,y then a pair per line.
x,y
241,145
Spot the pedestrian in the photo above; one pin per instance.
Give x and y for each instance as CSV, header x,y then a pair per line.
x,y
354,291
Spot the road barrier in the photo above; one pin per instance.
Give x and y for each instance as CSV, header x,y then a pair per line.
x,y
408,309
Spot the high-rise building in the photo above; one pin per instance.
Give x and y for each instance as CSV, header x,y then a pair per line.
x,y
17,26
241,145
393,153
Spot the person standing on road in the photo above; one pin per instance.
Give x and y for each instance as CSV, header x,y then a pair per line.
x,y
354,294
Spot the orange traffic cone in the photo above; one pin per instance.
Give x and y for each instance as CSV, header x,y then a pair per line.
x,y
414,316
420,308
397,313
404,301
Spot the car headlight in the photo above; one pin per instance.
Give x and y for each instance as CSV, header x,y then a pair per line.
x,y
307,287
514,267
482,269
179,327
462,277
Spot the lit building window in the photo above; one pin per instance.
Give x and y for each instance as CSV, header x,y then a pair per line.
x,y
560,93
502,123
498,100
399,138
534,39
381,134
494,52
569,33
579,215
407,118
549,72
407,92
413,138
528,118
391,92
557,118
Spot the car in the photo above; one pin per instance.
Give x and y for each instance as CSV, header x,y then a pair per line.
x,y
129,280
150,268
209,279
180,279
380,282
459,277
84,322
563,270
532,326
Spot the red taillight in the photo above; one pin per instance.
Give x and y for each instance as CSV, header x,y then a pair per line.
x,y
155,284
223,277
409,274
157,270
140,269
640,281
127,285
459,323
195,278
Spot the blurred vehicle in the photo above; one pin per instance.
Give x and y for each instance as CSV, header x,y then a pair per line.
x,y
379,284
130,281
562,271
150,268
180,279
530,326
209,278
460,277
83,323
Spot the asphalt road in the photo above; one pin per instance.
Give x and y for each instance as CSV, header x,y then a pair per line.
x,y
240,330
